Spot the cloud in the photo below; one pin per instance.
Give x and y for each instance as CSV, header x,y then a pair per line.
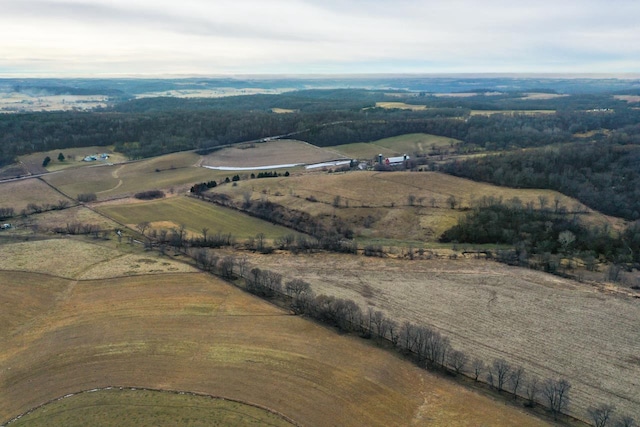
x,y
291,36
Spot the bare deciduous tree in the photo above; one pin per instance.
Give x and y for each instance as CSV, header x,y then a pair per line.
x,y
515,379
556,393
532,389
500,370
458,360
600,414
143,226
477,366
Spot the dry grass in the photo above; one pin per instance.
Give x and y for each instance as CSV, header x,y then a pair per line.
x,y
385,197
192,332
551,326
279,152
59,257
283,110
18,194
174,171
195,215
511,112
539,96
73,157
629,98
118,407
401,106
396,146
52,220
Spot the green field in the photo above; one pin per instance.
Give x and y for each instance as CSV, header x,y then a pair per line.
x,y
117,407
194,215
396,146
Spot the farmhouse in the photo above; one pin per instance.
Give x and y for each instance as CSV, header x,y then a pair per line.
x,y
5,226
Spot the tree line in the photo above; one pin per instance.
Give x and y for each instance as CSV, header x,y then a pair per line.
x,y
603,175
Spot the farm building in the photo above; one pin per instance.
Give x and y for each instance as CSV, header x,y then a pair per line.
x,y
391,161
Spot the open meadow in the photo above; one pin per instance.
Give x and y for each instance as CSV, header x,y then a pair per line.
x,y
396,146
194,214
192,332
551,326
412,206
19,194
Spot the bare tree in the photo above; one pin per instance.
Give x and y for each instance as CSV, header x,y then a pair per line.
x,y
532,389
295,287
477,366
515,379
543,200
500,370
600,414
458,360
556,393
243,262
626,421
452,201
143,226
205,230
226,266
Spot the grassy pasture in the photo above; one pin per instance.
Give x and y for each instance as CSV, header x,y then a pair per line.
x,y
384,196
193,332
18,194
278,152
395,146
551,326
177,171
195,215
117,407
60,218
73,157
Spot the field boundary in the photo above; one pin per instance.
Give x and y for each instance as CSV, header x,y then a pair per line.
x,y
167,391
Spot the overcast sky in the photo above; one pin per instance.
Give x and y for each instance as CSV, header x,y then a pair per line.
x,y
110,37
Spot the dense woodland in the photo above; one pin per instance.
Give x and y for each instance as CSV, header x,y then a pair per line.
x,y
153,126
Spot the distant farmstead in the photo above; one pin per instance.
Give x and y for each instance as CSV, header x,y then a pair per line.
x,y
94,157
392,161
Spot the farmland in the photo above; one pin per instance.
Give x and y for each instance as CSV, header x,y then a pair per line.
x,y
194,214
192,332
396,146
277,152
493,311
383,198
116,407
19,194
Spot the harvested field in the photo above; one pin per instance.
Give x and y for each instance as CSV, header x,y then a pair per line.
x,y
118,407
511,112
539,95
629,98
193,332
195,215
19,194
52,220
401,106
278,152
551,326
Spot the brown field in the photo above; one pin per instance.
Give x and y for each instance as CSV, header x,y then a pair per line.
x,y
13,102
283,110
279,152
538,96
401,106
384,196
195,333
511,112
629,98
52,220
551,326
147,408
85,259
18,194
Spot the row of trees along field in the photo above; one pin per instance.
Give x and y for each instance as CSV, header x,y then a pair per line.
x,y
603,175
542,235
149,127
427,347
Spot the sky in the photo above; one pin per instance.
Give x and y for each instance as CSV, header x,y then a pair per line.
x,y
223,37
